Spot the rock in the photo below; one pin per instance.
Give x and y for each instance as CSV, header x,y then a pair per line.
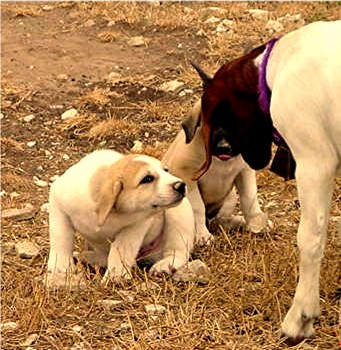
x,y
77,328
110,304
200,32
31,144
259,14
148,285
26,250
3,193
136,41
274,26
30,340
212,20
172,86
114,77
39,182
45,207
194,271
111,23
28,118
89,23
291,19
25,213
8,326
155,309
47,8
62,76
65,156
69,114
225,26
54,178
138,147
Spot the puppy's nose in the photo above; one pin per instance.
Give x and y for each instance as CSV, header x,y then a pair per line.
x,y
224,146
180,187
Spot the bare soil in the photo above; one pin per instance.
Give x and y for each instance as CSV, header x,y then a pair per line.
x,y
54,58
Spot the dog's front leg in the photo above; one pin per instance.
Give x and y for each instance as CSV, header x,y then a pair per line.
x,y
247,189
203,235
315,193
123,252
179,234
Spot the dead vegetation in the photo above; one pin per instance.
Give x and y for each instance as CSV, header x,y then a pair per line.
x,y
252,277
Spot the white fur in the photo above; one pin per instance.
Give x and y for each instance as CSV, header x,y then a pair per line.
x,y
141,215
304,74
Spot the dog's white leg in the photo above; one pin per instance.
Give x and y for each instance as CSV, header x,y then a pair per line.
x,y
61,234
203,235
247,188
179,233
315,186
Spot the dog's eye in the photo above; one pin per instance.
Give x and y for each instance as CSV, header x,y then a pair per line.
x,y
147,179
166,169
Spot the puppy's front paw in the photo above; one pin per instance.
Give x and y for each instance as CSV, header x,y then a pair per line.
x,y
65,280
166,266
203,237
258,223
116,275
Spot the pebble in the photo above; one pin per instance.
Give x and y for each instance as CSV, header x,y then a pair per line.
x,y
194,271
111,23
172,86
62,76
297,18
212,20
26,250
8,326
126,296
225,26
145,286
69,114
114,77
31,144
45,207
77,328
54,178
124,326
110,304
155,309
40,183
136,41
30,340
186,92
2,116
65,156
25,213
259,14
137,147
47,8
28,118
274,26
89,23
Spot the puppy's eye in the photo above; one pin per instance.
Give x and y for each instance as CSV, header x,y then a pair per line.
x,y
147,179
166,169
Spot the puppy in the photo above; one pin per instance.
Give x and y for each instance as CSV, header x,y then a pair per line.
x,y
290,87
214,195
126,207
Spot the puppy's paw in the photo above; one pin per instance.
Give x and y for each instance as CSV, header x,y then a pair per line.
x,y
232,222
258,223
65,280
116,275
93,258
203,237
166,266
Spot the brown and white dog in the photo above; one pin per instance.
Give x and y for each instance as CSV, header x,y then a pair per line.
x,y
126,207
214,194
303,75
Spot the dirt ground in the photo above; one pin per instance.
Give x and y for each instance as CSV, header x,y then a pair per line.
x,y
57,56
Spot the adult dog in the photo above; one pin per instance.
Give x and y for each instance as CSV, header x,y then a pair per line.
x,y
214,194
302,72
126,207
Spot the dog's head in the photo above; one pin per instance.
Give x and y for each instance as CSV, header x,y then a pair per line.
x,y
230,111
136,183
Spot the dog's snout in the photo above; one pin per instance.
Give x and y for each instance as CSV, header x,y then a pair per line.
x,y
224,145
180,187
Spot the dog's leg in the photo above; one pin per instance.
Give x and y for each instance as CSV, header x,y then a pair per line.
x,y
203,235
179,233
247,188
315,192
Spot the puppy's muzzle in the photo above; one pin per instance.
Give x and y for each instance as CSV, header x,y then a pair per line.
x,y
180,187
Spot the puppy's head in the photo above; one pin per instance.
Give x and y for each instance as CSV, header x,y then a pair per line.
x,y
136,183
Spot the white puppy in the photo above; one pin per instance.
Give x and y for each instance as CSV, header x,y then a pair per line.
x,y
125,207
214,194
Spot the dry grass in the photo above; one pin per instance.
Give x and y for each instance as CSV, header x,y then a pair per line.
x,y
252,276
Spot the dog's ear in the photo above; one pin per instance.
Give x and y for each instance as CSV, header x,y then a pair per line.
x,y
106,199
192,122
205,77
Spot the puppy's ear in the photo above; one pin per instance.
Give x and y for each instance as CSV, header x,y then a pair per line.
x,y
205,77
192,122
106,200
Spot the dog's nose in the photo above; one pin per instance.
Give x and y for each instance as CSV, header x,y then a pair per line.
x,y
180,187
224,147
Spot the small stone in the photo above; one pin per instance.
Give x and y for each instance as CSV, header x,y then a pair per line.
x,y
297,18
200,32
212,20
124,326
77,328
28,118
26,250
136,41
114,77
25,213
31,144
3,193
194,271
145,286
155,309
185,92
111,23
172,86
2,116
54,178
146,134
110,304
8,326
47,8
259,14
40,183
89,23
65,156
45,208
30,340
138,147
69,114
225,26
47,152
274,26
126,296
62,76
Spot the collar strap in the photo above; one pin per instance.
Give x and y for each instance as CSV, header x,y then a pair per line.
x,y
263,88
